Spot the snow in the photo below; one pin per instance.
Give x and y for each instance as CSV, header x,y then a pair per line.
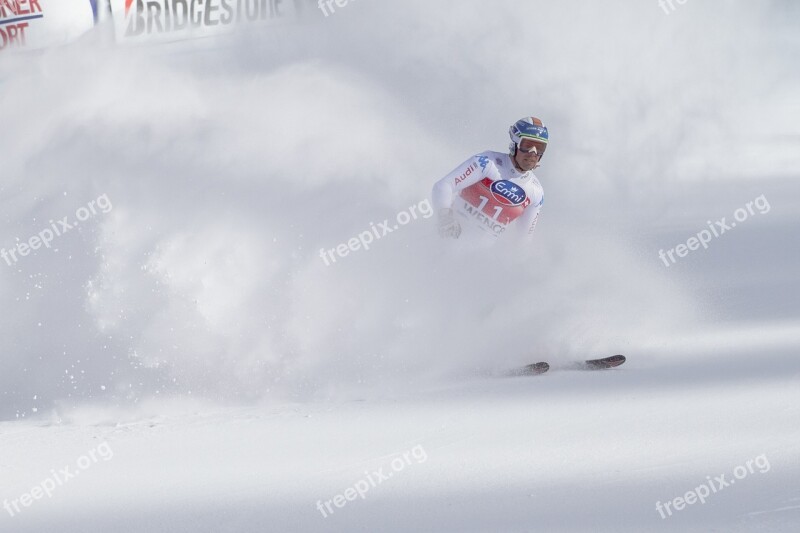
x,y
569,451
192,351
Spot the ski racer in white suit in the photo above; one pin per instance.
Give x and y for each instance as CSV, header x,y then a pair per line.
x,y
495,192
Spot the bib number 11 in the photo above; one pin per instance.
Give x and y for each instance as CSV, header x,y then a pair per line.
x,y
497,209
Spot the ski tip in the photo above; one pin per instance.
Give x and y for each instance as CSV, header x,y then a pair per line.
x,y
606,362
531,370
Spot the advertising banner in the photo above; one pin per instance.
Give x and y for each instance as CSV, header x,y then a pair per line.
x,y
34,24
169,20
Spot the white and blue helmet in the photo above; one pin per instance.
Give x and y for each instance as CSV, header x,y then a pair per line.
x,y
527,128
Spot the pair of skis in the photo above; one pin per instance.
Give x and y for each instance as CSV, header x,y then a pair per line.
x,y
604,363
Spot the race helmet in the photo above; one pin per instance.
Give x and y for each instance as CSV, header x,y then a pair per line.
x,y
527,128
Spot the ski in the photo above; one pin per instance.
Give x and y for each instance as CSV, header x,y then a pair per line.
x,y
531,370
603,363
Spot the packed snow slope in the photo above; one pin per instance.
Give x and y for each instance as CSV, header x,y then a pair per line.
x,y
182,318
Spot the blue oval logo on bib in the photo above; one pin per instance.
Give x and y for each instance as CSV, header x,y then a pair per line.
x,y
508,193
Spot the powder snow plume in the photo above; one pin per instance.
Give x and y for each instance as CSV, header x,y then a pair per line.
x,y
229,167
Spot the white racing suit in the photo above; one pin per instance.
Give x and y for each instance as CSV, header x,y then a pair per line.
x,y
488,194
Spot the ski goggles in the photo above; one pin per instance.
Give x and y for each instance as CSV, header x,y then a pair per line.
x,y
529,146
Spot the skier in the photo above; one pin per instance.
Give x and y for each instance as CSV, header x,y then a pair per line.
x,y
498,193
493,191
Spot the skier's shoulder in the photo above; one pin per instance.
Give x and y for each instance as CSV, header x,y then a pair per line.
x,y
490,157
533,180
489,163
534,189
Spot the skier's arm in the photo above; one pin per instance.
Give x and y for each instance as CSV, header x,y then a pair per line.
x,y
468,173
464,175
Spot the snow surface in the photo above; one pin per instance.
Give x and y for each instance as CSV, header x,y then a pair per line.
x,y
229,380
